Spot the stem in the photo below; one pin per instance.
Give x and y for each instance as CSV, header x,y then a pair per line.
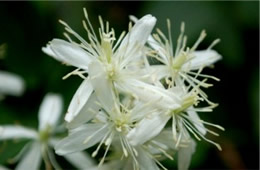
x,y
46,158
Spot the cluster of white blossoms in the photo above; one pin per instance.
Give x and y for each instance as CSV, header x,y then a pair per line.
x,y
139,98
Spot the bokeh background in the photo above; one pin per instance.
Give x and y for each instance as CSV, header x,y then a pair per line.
x,y
25,27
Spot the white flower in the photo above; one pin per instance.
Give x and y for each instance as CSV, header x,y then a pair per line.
x,y
11,84
43,139
175,72
122,62
184,120
185,64
182,66
125,101
106,121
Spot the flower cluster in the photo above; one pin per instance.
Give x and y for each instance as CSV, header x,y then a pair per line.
x,y
132,87
137,104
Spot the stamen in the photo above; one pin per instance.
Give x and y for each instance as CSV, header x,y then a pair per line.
x,y
162,35
109,139
213,44
159,163
202,136
201,38
191,129
214,143
68,37
101,23
107,26
211,124
103,159
99,145
132,151
180,39
118,41
178,140
174,132
90,25
75,72
93,134
123,147
156,145
170,36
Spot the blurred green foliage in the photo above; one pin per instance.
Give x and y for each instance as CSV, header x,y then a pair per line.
x,y
28,26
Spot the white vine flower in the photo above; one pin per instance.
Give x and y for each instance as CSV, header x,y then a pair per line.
x,y
185,120
126,101
184,65
43,139
175,73
122,60
105,122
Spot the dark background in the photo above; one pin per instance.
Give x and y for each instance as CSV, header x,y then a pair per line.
x,y
25,27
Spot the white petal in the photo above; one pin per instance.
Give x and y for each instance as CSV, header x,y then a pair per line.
x,y
53,141
75,141
102,86
50,111
178,90
147,92
32,159
157,72
80,160
184,156
165,141
199,125
140,31
141,110
11,84
15,132
3,168
79,100
133,18
87,112
202,58
151,41
70,53
138,35
147,129
145,161
47,50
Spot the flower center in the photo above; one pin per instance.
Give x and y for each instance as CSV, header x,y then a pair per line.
x,y
45,134
179,60
188,101
121,123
